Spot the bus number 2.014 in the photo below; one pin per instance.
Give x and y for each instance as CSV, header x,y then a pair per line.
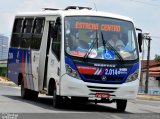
x,y
111,72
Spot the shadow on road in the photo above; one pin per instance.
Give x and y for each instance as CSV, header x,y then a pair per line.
x,y
68,105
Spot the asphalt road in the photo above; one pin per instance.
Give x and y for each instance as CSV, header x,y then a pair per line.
x,y
12,106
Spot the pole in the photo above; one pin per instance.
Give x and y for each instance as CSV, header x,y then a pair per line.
x,y
147,71
141,75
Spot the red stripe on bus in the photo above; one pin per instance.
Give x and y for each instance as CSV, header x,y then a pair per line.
x,y
23,71
86,70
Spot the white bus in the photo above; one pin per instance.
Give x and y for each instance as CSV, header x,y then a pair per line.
x,y
69,53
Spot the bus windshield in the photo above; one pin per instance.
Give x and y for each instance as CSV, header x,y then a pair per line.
x,y
100,38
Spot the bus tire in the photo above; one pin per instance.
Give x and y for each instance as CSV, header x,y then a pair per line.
x,y
121,105
57,100
24,91
28,94
33,94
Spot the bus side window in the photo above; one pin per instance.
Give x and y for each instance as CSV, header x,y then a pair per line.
x,y
56,36
27,33
18,25
37,33
39,25
16,35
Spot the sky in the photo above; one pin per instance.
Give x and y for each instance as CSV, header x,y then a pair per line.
x,y
145,14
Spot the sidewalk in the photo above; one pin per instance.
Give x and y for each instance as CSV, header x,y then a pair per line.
x,y
148,97
6,82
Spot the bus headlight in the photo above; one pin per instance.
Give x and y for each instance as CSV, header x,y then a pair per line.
x,y
72,72
133,76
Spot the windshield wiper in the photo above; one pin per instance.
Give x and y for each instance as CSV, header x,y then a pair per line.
x,y
103,41
92,45
110,46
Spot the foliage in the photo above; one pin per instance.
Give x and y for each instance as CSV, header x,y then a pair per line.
x,y
157,58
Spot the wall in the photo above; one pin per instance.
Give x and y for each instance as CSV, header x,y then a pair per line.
x,y
153,85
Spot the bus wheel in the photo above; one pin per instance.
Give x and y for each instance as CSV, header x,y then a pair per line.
x,y
28,94
33,94
121,105
24,91
57,100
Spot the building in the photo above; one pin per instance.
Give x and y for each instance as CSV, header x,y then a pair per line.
x,y
154,77
3,47
3,54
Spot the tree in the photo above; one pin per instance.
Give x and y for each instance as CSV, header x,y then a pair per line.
x,y
157,58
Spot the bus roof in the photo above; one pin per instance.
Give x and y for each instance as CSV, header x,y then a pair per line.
x,y
74,12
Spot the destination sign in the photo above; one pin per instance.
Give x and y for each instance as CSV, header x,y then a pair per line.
x,y
95,26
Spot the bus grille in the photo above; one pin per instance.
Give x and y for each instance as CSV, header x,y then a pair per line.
x,y
98,89
98,79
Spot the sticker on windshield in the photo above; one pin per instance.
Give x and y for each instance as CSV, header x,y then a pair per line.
x,y
77,53
92,54
108,54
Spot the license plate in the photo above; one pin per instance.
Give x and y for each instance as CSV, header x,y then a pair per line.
x,y
102,95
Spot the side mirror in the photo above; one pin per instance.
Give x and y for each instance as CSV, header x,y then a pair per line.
x,y
140,39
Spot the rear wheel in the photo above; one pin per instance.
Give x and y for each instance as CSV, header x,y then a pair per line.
x,y
28,94
121,105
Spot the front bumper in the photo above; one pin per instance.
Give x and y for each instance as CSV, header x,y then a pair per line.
x,y
74,87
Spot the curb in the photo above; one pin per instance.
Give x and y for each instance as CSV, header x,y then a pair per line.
x,y
148,97
8,84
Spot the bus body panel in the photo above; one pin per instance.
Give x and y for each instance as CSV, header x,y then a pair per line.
x,y
35,67
21,63
53,72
